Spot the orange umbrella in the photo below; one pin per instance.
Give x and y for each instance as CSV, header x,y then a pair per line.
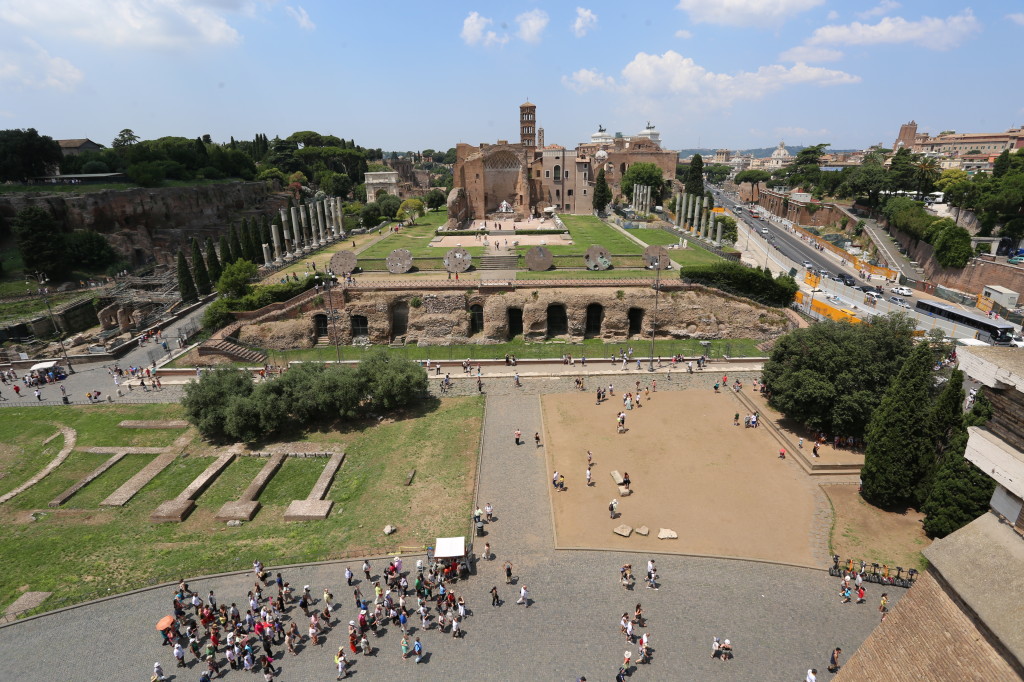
x,y
164,623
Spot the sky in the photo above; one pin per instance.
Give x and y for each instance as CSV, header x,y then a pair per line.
x,y
411,75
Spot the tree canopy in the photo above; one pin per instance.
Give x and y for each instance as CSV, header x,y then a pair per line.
x,y
695,176
602,193
25,154
643,174
831,376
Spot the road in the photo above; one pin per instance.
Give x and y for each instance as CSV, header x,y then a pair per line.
x,y
785,242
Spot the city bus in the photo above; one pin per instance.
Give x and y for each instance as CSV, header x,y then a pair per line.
x,y
997,332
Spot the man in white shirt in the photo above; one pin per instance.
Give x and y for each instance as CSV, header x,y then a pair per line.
x,y
812,675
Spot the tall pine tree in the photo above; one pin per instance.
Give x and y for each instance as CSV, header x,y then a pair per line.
x,y
265,237
225,253
199,272
960,491
186,286
213,267
695,176
253,242
898,437
944,424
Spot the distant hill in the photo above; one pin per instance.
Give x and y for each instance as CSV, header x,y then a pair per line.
x,y
758,153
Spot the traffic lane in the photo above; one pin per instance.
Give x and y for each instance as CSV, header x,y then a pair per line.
x,y
798,250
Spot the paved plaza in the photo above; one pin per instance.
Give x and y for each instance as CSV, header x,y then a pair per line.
x,y
781,619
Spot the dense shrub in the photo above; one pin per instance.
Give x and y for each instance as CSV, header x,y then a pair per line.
x,y
735,278
224,405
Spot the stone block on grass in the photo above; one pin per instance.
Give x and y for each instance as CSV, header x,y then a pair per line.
x,y
308,510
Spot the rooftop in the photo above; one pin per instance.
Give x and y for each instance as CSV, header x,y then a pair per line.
x,y
994,366
73,144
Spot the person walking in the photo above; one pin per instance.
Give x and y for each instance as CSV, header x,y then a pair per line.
x,y
405,647
508,573
612,507
524,597
487,551
366,569
833,660
589,482
417,649
536,438
495,600
518,435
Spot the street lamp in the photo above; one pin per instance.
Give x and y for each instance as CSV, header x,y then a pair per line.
x,y
42,279
654,321
331,312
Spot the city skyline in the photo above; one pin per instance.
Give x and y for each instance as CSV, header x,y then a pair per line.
x,y
734,73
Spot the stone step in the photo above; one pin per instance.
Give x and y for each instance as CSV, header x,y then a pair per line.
x,y
315,507
133,485
181,506
498,262
246,506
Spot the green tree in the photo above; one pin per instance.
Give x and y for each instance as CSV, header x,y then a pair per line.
x,y
369,216
717,173
25,154
199,271
643,174
389,205
235,244
898,438
1001,164
213,268
959,492
754,177
805,171
225,253
235,278
335,184
950,176
902,175
436,199
186,287
252,246
147,174
41,242
602,193
945,421
926,172
953,247
392,383
125,138
695,176
830,376
412,209
206,401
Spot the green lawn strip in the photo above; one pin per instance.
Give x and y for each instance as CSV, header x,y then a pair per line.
x,y
651,235
587,230
230,485
168,484
96,425
35,306
417,238
614,273
113,478
294,481
23,453
74,468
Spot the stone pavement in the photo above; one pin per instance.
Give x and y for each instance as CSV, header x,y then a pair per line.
x,y
781,620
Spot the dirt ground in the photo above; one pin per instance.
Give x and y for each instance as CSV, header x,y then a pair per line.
x,y
722,488
794,431
865,532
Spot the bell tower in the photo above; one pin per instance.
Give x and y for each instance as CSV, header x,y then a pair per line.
x,y
528,124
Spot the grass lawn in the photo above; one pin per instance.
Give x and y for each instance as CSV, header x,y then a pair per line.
x,y
614,273
417,239
82,551
587,230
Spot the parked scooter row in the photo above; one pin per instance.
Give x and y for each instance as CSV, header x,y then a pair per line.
x,y
873,573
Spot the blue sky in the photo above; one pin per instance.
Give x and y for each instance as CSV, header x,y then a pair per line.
x,y
412,74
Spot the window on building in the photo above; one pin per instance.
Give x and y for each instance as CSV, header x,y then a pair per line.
x,y
566,175
568,207
584,192
547,174
568,193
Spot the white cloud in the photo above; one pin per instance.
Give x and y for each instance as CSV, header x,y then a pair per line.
x,y
35,67
810,54
585,20
651,75
588,79
931,32
880,9
832,15
744,12
474,31
126,23
684,34
1017,18
532,24
301,17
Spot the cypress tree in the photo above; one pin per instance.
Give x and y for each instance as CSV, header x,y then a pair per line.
x,y
225,253
695,176
237,252
602,193
898,437
199,272
186,286
212,262
265,237
945,422
960,492
255,250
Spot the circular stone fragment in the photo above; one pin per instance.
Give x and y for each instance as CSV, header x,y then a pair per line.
x,y
597,258
399,261
457,260
539,259
656,257
343,263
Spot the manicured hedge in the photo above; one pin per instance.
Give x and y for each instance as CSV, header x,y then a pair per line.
x,y
738,279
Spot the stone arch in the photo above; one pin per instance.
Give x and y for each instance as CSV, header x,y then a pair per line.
x,y
557,171
622,168
636,322
515,322
503,160
595,316
557,320
360,326
400,318
320,324
476,319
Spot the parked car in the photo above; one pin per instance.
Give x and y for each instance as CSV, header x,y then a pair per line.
x,y
1016,260
847,280
902,291
896,300
808,265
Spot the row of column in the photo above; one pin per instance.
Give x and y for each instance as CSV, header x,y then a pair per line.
x,y
694,216
304,228
642,199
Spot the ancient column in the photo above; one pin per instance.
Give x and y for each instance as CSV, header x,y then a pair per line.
x,y
275,233
288,243
296,231
339,219
320,222
679,209
704,219
718,234
266,254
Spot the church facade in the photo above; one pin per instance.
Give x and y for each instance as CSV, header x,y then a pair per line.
x,y
532,178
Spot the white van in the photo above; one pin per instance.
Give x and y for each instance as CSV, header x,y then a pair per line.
x,y
873,296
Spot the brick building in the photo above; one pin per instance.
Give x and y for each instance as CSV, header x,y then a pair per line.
x,y
532,177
